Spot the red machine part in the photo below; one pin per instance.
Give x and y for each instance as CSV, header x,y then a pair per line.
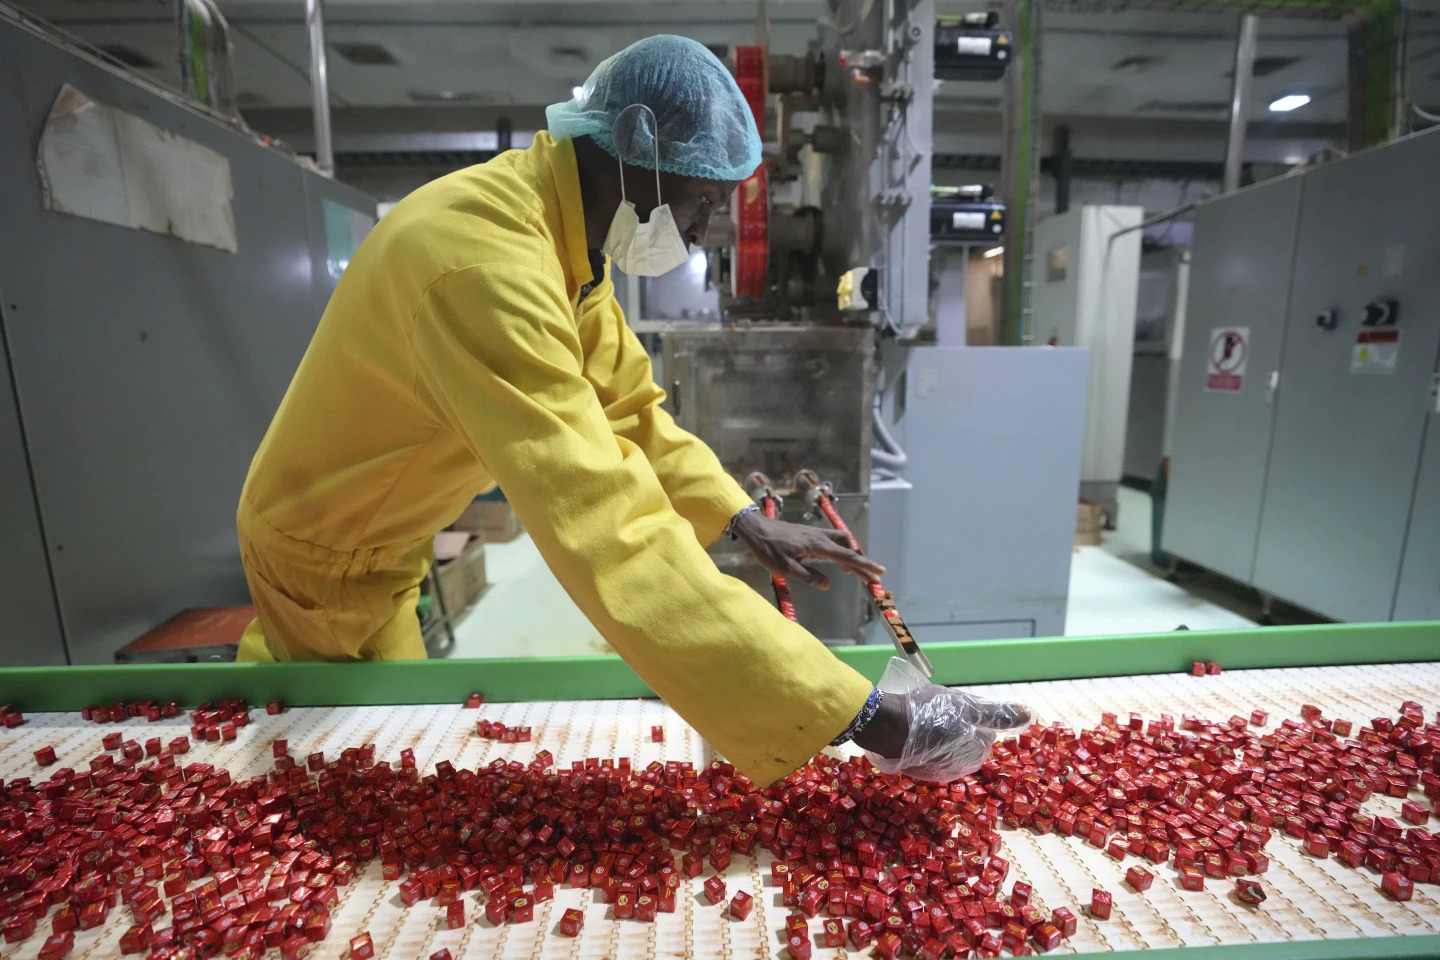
x,y
750,206
827,507
782,589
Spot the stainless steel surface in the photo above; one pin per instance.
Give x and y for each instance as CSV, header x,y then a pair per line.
x,y
1308,899
1347,445
319,85
778,398
1245,43
994,438
146,368
1241,261
775,400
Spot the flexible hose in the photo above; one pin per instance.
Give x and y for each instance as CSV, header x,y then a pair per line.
x,y
782,589
827,507
889,453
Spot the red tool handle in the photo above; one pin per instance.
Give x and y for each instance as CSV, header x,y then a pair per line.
x,y
782,589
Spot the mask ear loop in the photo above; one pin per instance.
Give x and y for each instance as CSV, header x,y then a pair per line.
x,y
655,139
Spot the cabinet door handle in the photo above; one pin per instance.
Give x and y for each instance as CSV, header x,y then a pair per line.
x,y
675,396
1272,386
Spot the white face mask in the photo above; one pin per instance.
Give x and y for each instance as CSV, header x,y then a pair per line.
x,y
645,249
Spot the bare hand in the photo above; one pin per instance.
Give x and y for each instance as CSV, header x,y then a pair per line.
x,y
785,548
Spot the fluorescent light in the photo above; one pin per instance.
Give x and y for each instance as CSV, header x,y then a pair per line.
x,y
1291,102
994,251
577,92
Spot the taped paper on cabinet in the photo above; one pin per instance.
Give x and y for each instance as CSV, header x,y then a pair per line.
x,y
104,164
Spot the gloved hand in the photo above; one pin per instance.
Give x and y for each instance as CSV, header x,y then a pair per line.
x,y
783,547
948,733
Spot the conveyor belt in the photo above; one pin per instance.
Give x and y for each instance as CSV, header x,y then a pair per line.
x,y
1308,899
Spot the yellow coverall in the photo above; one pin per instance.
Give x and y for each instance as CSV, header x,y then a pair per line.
x,y
454,354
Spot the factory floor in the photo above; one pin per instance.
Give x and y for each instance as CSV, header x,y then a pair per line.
x,y
1113,590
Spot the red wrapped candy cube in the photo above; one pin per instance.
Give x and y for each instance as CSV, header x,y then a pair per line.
x,y
1100,904
1248,890
714,890
180,745
1212,668
571,921
1397,885
741,904
474,702
58,946
625,905
45,756
832,933
495,910
441,954
646,907
112,741
362,947
1258,718
136,939
19,928
1020,893
1410,811
1046,935
1065,920
273,708
657,734
799,947
888,945
1139,879
315,762
455,916
1317,845
522,909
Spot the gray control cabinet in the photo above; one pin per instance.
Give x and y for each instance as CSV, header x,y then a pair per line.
x,y
1335,425
1239,277
978,538
145,371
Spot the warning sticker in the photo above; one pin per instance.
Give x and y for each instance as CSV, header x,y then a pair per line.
x,y
1375,351
1225,365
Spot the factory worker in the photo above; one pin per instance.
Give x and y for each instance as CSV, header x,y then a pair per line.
x,y
475,339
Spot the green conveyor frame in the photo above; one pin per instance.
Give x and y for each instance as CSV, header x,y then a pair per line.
x,y
43,689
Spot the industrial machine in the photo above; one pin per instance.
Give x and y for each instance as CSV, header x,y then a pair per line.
x,y
824,261
139,367
1306,442
1086,281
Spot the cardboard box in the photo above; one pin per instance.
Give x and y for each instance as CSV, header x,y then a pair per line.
x,y
462,579
1088,518
495,522
191,636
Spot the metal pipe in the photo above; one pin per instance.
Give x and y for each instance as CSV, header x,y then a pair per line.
x,y
1245,45
221,74
319,87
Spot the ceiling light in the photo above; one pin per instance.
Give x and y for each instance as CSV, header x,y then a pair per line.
x,y
994,251
577,92
1291,102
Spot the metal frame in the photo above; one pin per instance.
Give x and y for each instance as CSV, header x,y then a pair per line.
x,y
511,680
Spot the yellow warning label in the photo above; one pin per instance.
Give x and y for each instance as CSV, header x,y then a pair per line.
x,y
994,214
1002,39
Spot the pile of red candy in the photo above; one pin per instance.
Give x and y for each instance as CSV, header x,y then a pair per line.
x,y
903,867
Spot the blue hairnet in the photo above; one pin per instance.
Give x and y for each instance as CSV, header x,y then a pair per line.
x,y
696,111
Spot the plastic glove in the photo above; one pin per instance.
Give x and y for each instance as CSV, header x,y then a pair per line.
x,y
950,731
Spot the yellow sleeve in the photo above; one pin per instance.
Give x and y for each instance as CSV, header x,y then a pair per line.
x,y
618,367
499,360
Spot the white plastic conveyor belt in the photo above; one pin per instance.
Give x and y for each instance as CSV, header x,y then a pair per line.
x,y
1308,898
